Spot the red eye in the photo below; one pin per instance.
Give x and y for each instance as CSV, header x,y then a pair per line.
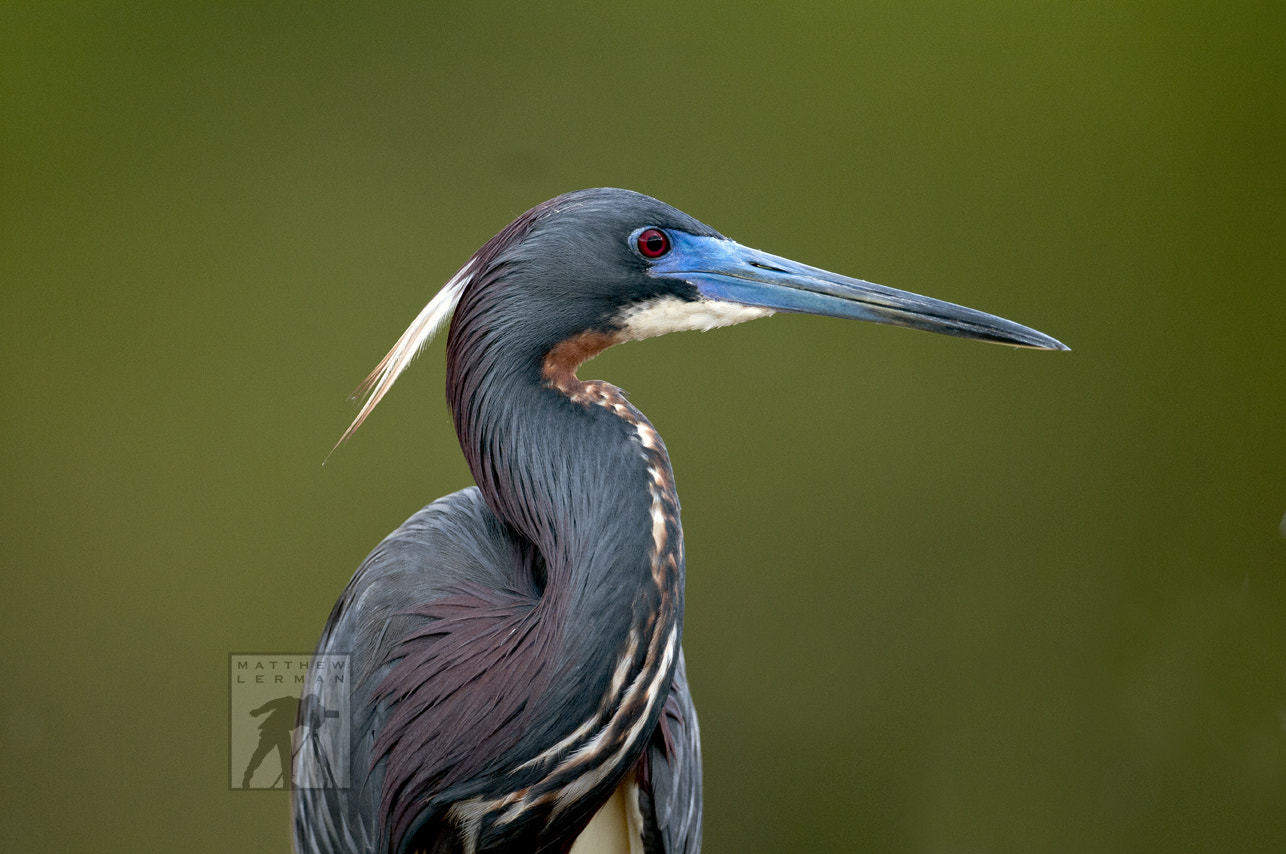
x,y
653,243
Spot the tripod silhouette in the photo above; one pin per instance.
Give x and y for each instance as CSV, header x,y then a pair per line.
x,y
313,715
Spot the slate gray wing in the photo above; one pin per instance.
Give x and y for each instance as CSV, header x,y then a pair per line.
x,y
453,542
670,788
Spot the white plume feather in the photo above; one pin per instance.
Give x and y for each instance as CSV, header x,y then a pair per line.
x,y
421,331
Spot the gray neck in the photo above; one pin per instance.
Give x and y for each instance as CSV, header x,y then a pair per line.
x,y
583,477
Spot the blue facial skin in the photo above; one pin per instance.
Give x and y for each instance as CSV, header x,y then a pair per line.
x,y
721,269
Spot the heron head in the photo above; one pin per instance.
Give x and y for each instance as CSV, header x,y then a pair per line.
x,y
596,267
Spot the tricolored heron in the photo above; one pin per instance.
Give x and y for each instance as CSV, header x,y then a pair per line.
x,y
515,662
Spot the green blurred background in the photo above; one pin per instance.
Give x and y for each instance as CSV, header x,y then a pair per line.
x,y
941,596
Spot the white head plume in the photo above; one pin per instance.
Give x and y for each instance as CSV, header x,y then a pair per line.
x,y
421,331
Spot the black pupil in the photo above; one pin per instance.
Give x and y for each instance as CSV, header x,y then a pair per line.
x,y
652,242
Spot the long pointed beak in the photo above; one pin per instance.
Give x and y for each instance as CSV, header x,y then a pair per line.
x,y
722,269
